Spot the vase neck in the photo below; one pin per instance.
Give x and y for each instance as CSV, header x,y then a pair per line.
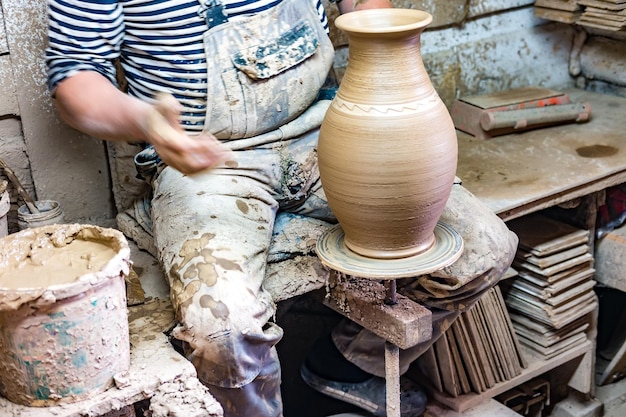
x,y
383,68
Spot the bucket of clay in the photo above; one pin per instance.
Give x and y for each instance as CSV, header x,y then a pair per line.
x,y
49,213
5,206
63,317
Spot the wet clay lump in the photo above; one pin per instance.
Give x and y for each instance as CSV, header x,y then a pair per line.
x,y
47,264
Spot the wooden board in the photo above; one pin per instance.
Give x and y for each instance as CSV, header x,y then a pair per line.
x,y
555,269
554,259
542,236
524,292
551,336
475,332
447,371
519,357
559,282
491,351
468,357
457,364
557,348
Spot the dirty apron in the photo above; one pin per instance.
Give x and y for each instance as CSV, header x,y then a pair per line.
x,y
212,231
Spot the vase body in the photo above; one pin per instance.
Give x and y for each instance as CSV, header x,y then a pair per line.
x,y
388,147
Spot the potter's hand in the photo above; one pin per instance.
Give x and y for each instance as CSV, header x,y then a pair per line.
x,y
187,154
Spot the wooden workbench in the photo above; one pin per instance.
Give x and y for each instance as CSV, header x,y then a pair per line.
x,y
521,173
518,174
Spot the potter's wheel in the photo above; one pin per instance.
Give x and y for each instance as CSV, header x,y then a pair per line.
x,y
334,253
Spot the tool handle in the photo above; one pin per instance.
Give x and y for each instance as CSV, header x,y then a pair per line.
x,y
523,118
32,207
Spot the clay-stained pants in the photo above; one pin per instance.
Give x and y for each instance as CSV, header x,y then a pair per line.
x,y
212,232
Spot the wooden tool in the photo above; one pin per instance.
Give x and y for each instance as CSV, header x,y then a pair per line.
x,y
516,110
30,203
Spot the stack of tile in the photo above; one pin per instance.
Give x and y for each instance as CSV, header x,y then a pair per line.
x,y
551,297
604,14
565,11
479,350
608,15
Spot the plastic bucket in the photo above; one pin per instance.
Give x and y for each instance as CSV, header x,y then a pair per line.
x,y
5,206
49,213
62,340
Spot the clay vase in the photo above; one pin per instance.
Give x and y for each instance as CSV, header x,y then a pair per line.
x,y
387,146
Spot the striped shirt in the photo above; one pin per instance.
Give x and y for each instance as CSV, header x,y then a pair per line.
x,y
159,43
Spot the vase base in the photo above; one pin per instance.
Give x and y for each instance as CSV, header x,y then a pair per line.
x,y
335,254
390,254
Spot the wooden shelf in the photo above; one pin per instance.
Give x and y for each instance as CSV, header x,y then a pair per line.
x,y
536,366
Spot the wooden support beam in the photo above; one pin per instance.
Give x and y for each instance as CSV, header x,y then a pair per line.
x,y
404,324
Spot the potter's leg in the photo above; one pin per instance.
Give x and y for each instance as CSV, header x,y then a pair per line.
x,y
212,233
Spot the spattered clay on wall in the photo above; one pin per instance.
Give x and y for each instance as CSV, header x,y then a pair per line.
x,y
65,165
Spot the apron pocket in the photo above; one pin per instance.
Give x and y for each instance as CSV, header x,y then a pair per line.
x,y
268,59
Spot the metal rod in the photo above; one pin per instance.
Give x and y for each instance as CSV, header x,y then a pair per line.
x,y
391,297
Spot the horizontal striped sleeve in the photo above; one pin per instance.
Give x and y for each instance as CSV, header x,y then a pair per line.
x,y
83,35
322,14
164,51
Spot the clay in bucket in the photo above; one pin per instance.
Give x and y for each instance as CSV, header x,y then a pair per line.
x,y
63,317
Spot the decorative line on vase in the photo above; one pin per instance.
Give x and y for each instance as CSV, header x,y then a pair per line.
x,y
387,108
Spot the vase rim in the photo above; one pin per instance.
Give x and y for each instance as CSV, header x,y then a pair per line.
x,y
386,20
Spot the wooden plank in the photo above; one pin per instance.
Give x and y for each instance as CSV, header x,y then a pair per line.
x,y
508,347
476,335
497,336
550,336
555,269
556,317
557,348
556,15
457,363
511,330
555,283
447,371
543,236
468,356
496,366
524,292
548,261
404,324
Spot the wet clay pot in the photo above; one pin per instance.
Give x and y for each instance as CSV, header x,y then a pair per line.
x,y
387,147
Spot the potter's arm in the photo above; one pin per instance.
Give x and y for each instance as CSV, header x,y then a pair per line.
x,y
346,6
90,103
81,77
